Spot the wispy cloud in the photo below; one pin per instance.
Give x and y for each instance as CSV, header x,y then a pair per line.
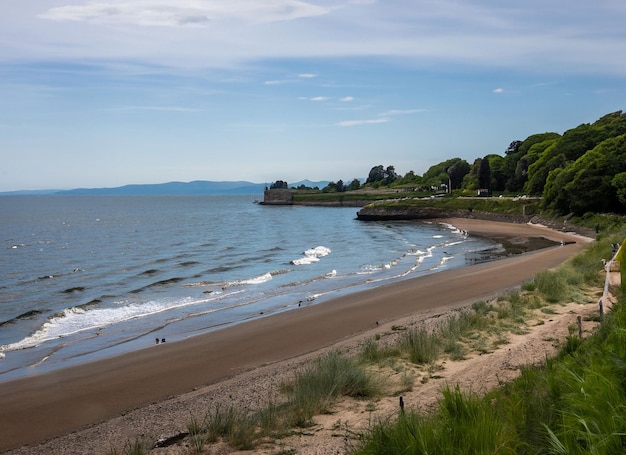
x,y
346,99
151,13
362,122
292,80
383,117
217,33
319,98
498,90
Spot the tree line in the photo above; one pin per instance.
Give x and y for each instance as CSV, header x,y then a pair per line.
x,y
583,170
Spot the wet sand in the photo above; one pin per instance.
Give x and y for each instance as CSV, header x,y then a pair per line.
x,y
41,407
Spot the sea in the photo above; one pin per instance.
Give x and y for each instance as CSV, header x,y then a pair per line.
x,y
88,277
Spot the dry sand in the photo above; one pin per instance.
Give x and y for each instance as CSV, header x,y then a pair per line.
x,y
154,392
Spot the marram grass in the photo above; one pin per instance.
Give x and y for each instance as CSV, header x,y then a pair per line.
x,y
573,404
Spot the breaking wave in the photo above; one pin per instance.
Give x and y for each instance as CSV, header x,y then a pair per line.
x,y
312,255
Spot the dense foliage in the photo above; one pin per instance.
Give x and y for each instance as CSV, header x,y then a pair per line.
x,y
582,171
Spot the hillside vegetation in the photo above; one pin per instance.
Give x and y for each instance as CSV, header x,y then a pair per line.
x,y
581,171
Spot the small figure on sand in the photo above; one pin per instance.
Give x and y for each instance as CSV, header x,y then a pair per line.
x,y
156,340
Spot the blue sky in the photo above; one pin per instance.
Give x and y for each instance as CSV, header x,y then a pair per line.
x,y
111,92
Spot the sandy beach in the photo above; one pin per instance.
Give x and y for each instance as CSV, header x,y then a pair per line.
x,y
39,408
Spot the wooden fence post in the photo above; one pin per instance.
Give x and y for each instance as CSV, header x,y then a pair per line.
x,y
601,305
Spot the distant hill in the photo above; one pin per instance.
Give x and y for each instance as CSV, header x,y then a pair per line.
x,y
173,188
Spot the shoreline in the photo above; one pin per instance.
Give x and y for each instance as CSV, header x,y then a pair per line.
x,y
63,401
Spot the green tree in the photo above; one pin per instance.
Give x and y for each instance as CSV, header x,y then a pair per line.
x,y
484,174
457,172
380,174
586,185
390,175
619,183
513,148
539,170
355,184
377,173
410,178
522,154
279,184
333,187
572,145
470,181
498,176
438,173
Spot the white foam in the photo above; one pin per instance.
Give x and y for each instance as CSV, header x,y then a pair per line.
x,y
368,269
318,251
257,280
75,320
305,260
312,255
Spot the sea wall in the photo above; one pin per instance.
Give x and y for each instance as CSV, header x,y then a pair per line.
x,y
278,197
374,213
371,213
286,197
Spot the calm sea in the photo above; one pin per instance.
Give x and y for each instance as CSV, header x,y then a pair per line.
x,y
83,277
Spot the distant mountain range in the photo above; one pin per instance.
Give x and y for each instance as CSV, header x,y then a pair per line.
x,y
174,188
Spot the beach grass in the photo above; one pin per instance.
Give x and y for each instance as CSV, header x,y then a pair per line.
x,y
422,346
313,391
541,412
134,447
573,404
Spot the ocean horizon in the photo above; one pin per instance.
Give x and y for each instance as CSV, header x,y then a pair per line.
x,y
87,277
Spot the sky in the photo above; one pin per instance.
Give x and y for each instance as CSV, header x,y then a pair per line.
x,y
105,93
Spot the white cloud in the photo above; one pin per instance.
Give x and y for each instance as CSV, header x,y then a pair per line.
x,y
585,38
184,12
319,98
307,75
498,90
347,99
362,122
